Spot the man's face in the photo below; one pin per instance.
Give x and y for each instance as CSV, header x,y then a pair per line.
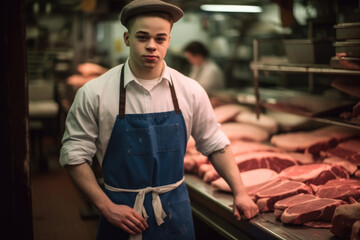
x,y
148,39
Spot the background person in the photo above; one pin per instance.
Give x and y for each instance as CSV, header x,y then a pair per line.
x,y
203,68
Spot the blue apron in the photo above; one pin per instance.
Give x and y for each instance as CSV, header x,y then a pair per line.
x,y
147,150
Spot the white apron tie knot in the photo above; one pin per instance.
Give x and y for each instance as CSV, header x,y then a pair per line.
x,y
156,202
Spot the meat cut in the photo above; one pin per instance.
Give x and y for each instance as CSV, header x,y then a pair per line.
x,y
228,112
313,141
318,209
349,166
251,179
243,131
241,147
344,189
264,121
344,218
265,199
276,161
317,173
348,150
281,205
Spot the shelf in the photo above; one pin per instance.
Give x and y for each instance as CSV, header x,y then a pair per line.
x,y
302,68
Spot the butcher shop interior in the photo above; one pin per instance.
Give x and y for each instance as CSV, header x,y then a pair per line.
x,y
289,104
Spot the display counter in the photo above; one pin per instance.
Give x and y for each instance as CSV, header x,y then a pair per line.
x,y
214,208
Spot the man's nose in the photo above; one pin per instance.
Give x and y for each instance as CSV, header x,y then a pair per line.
x,y
151,45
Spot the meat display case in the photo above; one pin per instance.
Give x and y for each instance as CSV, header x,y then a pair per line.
x,y
214,208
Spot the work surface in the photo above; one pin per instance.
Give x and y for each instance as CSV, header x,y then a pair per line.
x,y
215,209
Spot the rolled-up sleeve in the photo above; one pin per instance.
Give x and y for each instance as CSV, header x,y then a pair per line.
x,y
206,131
81,130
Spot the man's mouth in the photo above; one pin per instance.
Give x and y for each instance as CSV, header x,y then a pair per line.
x,y
150,57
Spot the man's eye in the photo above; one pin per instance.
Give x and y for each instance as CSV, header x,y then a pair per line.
x,y
160,40
141,38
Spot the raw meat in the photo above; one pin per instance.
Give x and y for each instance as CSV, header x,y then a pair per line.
x,y
251,179
313,141
344,189
355,231
317,173
276,161
228,112
344,218
287,202
319,209
281,205
254,160
242,147
303,158
349,150
242,131
266,198
263,121
350,167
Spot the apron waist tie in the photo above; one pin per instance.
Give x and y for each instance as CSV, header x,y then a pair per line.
x,y
156,202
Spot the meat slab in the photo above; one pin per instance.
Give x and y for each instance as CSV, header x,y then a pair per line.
x,y
348,150
227,112
313,141
318,209
251,179
276,161
344,218
281,205
344,189
317,173
243,131
266,199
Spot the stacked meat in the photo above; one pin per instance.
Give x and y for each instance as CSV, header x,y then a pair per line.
x,y
302,176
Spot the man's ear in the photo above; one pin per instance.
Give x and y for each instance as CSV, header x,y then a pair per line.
x,y
126,39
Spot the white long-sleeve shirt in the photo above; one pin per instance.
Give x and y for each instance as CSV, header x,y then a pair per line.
x,y
92,115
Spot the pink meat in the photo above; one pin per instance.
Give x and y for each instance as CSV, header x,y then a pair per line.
x,y
243,131
266,198
344,189
281,205
272,160
349,150
242,147
317,173
319,209
313,141
254,160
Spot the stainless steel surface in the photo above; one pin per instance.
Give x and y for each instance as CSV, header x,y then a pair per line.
x,y
214,208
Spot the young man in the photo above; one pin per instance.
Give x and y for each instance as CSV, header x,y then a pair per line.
x,y
203,68
137,118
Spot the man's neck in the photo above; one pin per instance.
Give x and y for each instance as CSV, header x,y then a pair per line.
x,y
147,73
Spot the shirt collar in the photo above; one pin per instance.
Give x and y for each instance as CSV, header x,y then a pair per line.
x,y
129,76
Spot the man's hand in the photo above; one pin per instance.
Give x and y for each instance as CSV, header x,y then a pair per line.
x,y
244,205
126,218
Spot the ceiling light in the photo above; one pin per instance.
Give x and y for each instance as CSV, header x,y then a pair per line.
x,y
230,8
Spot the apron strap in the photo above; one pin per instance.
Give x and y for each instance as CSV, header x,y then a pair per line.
x,y
174,98
123,96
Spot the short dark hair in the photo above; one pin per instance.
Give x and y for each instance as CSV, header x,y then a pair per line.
x,y
197,48
163,15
